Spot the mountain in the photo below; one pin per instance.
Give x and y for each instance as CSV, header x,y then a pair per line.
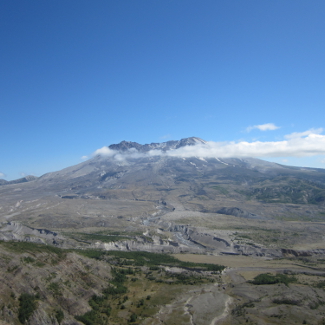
x,y
157,201
25,179
3,182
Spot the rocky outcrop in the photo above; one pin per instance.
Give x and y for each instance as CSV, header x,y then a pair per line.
x,y
41,317
237,212
186,230
164,146
299,253
157,245
254,250
16,231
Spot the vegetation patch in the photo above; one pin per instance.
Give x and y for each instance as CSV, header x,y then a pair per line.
x,y
27,306
290,191
240,310
101,308
33,248
12,269
148,259
59,315
55,288
28,259
286,301
140,283
185,279
320,285
91,318
124,300
268,278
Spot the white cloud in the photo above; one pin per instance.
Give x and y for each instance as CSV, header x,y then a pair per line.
x,y
303,134
84,157
263,127
304,144
2,175
104,151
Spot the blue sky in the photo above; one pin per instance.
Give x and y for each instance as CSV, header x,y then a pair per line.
x,y
78,75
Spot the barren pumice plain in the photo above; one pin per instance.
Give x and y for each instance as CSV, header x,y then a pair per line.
x,y
155,238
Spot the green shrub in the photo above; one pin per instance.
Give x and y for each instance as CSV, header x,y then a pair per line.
x,y
320,284
55,288
187,279
90,318
133,318
59,315
28,259
27,306
96,302
140,303
240,310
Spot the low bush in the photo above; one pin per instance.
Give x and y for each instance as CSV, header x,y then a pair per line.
x,y
133,318
27,306
55,288
59,315
91,318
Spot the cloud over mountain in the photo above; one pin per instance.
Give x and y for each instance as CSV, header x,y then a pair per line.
x,y
308,143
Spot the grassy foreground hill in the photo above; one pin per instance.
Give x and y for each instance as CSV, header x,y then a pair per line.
x,y
43,284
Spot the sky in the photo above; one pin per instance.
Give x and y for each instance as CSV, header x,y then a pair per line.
x,y
247,76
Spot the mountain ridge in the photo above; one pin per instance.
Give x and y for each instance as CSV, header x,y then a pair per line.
x,y
24,179
164,146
